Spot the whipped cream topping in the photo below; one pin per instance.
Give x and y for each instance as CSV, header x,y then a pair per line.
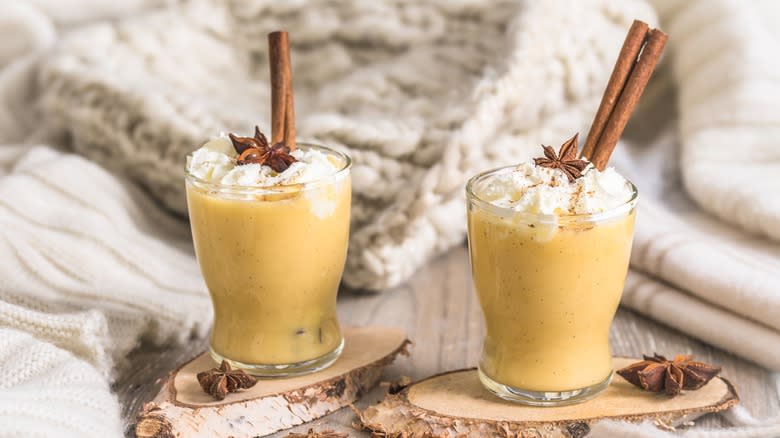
x,y
541,190
215,162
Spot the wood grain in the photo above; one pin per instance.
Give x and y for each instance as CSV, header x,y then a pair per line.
x,y
183,409
439,311
455,403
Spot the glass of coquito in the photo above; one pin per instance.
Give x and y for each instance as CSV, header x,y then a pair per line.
x,y
270,224
271,244
549,243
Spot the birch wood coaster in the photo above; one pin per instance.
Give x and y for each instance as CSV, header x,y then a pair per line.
x,y
456,404
182,409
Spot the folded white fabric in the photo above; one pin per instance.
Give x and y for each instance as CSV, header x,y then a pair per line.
x,y
89,263
691,271
705,275
691,254
90,267
749,427
710,323
728,79
47,392
85,333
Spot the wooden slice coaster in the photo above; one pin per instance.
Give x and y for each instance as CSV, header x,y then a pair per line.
x,y
456,404
182,409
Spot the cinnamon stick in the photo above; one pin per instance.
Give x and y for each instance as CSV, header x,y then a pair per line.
x,y
625,63
289,113
629,97
282,106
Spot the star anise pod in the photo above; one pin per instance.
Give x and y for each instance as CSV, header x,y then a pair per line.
x,y
218,382
566,160
658,374
256,150
317,434
240,144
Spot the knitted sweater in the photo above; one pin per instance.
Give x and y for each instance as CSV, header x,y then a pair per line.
x,y
76,269
47,392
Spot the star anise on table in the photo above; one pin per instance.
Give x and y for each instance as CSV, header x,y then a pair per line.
x,y
218,382
317,434
658,374
256,150
566,160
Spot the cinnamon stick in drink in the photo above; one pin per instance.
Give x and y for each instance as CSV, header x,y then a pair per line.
x,y
282,106
623,66
629,97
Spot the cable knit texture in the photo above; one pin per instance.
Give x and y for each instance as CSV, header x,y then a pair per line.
x,y
47,392
71,244
423,95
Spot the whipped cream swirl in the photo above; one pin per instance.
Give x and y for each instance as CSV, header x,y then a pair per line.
x,y
215,162
535,189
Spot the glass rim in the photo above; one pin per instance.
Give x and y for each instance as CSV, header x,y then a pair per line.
x,y
189,177
543,218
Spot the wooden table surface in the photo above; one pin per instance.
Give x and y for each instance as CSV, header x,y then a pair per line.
x,y
439,310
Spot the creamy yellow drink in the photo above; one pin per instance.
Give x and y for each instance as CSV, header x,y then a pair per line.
x,y
271,246
549,258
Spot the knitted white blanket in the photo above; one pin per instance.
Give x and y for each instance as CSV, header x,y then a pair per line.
x,y
423,95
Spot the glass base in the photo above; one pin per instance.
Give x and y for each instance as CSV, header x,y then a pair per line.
x,y
543,398
284,370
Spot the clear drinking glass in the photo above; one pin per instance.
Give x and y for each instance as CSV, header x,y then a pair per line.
x,y
549,287
272,258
